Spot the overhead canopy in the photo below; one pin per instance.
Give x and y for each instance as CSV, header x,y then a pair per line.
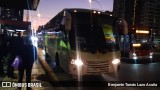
x,y
20,4
12,24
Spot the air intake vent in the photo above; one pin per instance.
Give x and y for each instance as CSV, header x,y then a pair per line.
x,y
97,67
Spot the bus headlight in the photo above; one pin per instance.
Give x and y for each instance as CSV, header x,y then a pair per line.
x,y
77,62
134,55
151,54
115,61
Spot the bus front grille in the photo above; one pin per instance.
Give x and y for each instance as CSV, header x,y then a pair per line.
x,y
97,67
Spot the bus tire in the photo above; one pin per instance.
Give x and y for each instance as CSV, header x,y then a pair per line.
x,y
57,62
118,68
47,56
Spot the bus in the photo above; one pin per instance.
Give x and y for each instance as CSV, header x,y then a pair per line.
x,y
137,43
82,38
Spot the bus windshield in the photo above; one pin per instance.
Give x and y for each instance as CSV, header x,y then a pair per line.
x,y
93,33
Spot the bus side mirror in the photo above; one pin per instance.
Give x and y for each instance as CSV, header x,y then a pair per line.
x,y
68,24
66,21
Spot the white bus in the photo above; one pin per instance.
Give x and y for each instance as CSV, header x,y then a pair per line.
x,y
82,38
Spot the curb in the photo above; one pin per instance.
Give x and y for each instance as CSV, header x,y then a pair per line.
x,y
46,67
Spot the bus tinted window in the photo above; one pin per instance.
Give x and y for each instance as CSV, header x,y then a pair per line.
x,y
99,37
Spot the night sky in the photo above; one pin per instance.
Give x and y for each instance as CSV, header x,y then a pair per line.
x,y
49,8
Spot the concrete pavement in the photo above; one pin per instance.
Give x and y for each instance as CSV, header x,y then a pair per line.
x,y
38,76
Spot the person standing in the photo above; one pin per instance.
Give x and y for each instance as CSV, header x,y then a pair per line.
x,y
12,53
19,41
29,55
3,51
15,49
1,55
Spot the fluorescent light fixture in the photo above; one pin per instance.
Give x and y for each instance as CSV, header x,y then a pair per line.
x,y
11,30
20,30
136,45
142,31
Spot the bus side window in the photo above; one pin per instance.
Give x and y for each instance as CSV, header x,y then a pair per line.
x,y
63,39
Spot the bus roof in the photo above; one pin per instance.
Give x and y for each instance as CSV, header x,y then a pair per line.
x,y
83,10
78,10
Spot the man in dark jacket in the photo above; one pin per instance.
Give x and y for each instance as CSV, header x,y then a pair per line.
x,y
12,49
29,55
1,55
15,48
3,52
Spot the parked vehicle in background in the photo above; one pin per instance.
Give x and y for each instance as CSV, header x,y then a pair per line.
x,y
137,44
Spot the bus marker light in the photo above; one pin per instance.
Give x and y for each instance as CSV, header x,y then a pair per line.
x,y
77,62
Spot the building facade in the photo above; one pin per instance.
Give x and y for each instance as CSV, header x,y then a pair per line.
x,y
8,15
11,14
144,13
12,20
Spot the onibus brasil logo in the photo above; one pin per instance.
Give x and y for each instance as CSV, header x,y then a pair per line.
x,y
14,84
